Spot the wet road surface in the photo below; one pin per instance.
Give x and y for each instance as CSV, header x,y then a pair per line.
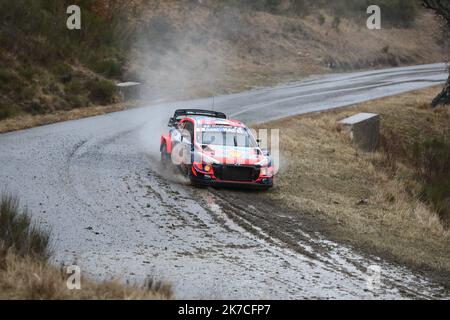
x,y
97,183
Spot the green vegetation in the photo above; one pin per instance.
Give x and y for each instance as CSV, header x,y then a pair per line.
x,y
110,67
6,112
18,233
431,158
101,91
45,68
40,57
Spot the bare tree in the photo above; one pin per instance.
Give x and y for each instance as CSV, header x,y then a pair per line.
x,y
441,8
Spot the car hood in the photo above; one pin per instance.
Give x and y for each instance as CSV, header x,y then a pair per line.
x,y
232,155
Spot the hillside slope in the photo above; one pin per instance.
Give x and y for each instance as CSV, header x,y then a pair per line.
x,y
184,49
227,49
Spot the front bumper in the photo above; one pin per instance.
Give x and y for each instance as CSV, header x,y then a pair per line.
x,y
207,179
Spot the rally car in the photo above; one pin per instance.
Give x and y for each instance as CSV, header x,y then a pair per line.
x,y
213,150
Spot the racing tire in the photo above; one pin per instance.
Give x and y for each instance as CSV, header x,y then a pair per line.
x,y
165,157
194,183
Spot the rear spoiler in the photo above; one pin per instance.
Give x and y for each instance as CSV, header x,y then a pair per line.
x,y
194,112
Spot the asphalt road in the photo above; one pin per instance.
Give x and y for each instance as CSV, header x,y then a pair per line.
x,y
96,183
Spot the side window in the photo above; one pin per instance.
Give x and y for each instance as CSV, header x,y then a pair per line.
x,y
176,132
181,126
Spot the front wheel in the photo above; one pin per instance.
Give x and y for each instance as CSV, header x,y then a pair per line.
x,y
165,157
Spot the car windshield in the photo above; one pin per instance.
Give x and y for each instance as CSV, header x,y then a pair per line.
x,y
225,136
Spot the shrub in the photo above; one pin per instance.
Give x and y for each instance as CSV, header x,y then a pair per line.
x,y
9,81
102,91
108,67
400,13
321,19
300,8
37,106
437,192
63,72
271,5
27,72
432,158
6,112
19,233
393,150
78,101
432,163
74,87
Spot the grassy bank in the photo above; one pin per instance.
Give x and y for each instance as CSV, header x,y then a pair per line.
x,y
25,271
389,202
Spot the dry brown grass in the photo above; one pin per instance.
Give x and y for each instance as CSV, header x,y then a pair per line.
x,y
26,278
327,176
26,121
220,51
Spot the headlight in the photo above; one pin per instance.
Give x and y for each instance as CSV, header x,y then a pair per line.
x,y
263,163
203,167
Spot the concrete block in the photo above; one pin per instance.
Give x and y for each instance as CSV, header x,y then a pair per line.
x,y
364,130
129,90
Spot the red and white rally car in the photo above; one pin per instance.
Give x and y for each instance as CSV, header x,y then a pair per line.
x,y
212,150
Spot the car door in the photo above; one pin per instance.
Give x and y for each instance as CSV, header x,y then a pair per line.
x,y
178,148
182,137
188,141
175,133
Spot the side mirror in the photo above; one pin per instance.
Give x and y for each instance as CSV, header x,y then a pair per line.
x,y
172,122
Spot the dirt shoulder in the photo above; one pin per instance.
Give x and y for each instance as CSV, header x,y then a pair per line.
x,y
362,201
26,121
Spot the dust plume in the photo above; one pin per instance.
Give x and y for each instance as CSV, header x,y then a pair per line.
x,y
176,57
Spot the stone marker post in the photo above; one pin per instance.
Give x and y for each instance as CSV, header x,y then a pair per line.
x,y
364,129
129,90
